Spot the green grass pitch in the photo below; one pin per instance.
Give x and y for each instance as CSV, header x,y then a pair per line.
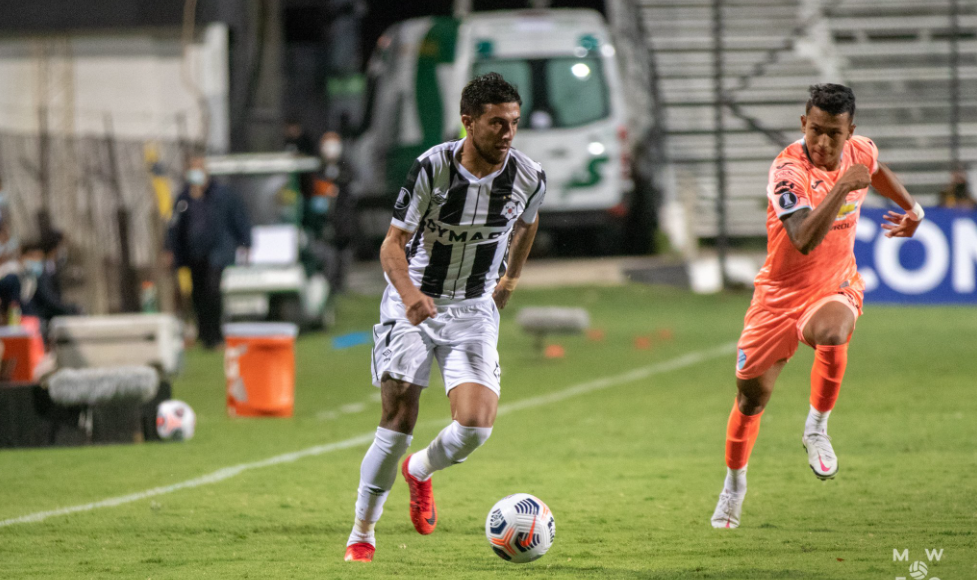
x,y
631,466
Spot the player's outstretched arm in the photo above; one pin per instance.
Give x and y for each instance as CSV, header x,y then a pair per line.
x,y
523,235
806,228
900,225
419,306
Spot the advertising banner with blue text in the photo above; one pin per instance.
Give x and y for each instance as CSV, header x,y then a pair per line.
x,y
936,266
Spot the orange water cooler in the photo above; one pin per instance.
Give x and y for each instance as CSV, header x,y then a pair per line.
x,y
259,364
22,350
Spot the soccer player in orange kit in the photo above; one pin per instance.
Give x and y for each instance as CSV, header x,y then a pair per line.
x,y
808,289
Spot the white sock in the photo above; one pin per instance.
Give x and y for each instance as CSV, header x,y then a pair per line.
x,y
817,422
362,532
377,475
452,445
735,481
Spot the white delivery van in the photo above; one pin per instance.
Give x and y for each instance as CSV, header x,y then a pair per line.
x,y
563,63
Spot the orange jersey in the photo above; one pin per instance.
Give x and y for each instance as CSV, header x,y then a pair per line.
x,y
789,280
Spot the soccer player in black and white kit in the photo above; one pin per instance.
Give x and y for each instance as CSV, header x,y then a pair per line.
x,y
463,225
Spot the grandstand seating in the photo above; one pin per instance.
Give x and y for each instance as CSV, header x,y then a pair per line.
x,y
894,54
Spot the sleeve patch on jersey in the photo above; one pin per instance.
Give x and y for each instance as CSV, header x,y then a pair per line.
x,y
511,210
787,199
403,199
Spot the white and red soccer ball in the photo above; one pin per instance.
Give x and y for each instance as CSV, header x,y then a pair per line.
x,y
520,528
175,421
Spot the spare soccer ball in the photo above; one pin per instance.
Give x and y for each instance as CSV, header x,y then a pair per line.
x,y
520,528
175,421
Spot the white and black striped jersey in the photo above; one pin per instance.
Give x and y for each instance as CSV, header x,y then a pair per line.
x,y
462,224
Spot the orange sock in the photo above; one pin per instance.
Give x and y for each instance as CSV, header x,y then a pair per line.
x,y
826,374
741,434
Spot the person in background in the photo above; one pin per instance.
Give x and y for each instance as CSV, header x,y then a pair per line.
x,y
18,282
210,225
297,140
958,194
333,183
47,302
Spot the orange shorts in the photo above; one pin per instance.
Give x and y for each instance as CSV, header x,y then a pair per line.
x,y
769,337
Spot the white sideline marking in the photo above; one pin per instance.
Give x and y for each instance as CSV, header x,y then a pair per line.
x,y
628,377
229,472
351,408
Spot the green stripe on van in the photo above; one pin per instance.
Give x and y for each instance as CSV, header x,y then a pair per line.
x,y
437,48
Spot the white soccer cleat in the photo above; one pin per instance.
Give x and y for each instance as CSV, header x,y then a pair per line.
x,y
728,510
821,455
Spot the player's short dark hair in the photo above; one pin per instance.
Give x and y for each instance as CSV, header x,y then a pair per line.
x,y
488,89
832,99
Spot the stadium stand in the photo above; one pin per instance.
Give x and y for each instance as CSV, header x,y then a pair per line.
x,y
894,54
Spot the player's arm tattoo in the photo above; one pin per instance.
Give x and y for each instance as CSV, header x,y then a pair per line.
x,y
807,228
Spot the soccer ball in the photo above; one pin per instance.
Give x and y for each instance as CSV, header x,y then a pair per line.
x,y
175,421
520,528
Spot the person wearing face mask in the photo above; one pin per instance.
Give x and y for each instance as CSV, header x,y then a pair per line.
x,y
46,301
332,191
18,284
210,225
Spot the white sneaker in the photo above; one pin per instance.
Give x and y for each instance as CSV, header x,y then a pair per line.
x,y
728,510
821,455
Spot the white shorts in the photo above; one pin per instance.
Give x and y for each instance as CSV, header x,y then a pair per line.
x,y
464,337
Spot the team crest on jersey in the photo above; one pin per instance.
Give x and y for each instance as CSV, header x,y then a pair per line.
x,y
403,199
510,210
438,196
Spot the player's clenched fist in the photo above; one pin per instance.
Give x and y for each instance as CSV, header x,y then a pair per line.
x,y
420,308
857,177
503,291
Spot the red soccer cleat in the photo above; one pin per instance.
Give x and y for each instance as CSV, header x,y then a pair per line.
x,y
423,514
360,552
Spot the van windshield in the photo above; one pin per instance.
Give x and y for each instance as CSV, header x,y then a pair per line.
x,y
556,92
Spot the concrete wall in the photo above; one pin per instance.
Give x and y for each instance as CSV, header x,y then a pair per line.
x,y
139,78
